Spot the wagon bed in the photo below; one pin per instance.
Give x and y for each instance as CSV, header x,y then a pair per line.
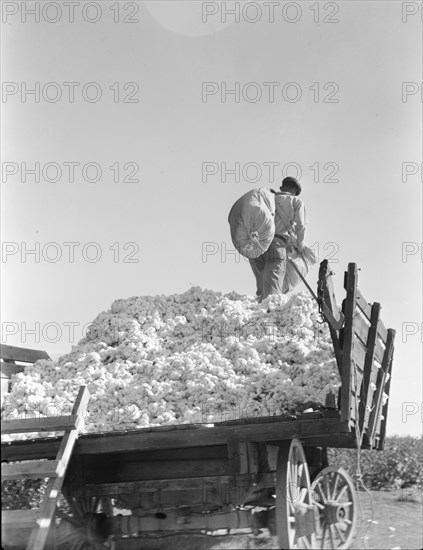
x,y
209,476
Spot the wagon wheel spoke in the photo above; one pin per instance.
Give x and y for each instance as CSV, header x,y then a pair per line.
x,y
86,527
294,510
75,507
335,485
327,488
340,533
332,540
334,494
322,495
341,492
324,536
66,517
94,504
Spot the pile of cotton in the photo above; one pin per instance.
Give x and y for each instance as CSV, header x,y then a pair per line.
x,y
201,356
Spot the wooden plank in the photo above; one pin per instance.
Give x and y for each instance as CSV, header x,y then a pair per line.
x,y
361,328
29,470
41,424
164,484
327,294
142,503
380,383
385,408
30,449
70,437
234,458
143,439
349,307
272,456
48,448
39,535
359,354
379,350
369,367
364,306
382,332
170,455
19,519
243,457
133,471
25,355
253,458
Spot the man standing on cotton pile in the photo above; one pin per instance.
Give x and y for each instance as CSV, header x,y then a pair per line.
x,y
290,221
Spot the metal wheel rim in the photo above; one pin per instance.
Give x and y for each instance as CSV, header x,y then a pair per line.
x,y
292,488
334,494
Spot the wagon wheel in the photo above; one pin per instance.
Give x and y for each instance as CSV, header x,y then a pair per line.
x,y
295,513
87,527
334,495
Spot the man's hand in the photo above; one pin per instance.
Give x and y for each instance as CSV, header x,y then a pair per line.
x,y
299,248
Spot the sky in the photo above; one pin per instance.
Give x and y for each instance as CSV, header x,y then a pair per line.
x,y
142,149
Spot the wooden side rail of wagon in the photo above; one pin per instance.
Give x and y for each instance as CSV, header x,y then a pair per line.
x,y
364,353
202,477
13,360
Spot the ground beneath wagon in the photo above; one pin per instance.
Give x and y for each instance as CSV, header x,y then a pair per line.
x,y
389,520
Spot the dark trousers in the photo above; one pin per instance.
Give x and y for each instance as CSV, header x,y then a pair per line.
x,y
269,270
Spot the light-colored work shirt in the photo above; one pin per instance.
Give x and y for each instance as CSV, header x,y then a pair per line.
x,y
290,216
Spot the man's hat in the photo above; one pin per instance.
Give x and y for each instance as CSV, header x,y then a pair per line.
x,y
289,181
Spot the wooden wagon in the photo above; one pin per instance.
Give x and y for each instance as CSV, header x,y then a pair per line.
x,y
246,473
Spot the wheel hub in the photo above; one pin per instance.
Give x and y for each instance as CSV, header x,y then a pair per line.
x,y
334,512
98,527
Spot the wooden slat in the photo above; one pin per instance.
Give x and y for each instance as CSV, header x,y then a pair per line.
x,y
380,383
141,503
382,431
377,430
359,354
39,535
327,294
170,455
194,436
326,283
19,519
42,424
25,355
243,457
132,471
363,304
361,328
165,484
272,456
379,350
382,331
370,370
30,470
349,307
253,458
234,458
